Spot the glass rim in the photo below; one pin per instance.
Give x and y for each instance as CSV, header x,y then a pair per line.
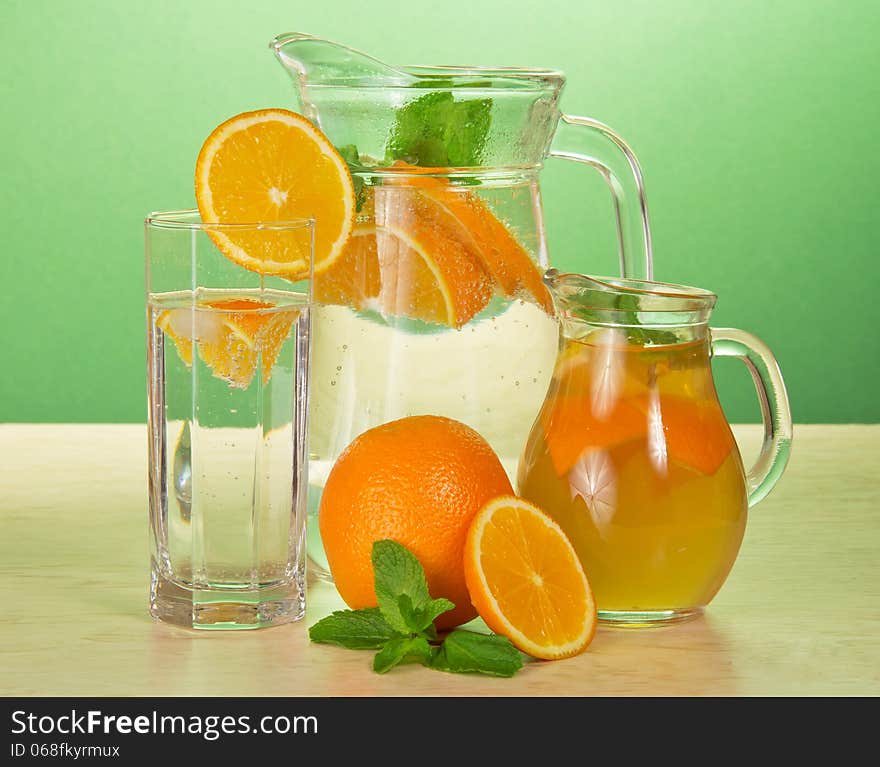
x,y
527,79
615,299
629,286
183,219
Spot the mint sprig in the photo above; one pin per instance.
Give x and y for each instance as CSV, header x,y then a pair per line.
x,y
395,651
402,627
402,591
437,131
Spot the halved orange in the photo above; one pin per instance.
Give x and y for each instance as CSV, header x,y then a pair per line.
x,y
405,263
232,341
273,165
526,581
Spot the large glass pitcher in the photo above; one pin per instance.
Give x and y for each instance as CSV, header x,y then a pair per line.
x,y
631,452
437,305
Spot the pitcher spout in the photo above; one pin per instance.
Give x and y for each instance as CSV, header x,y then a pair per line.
x,y
431,116
314,61
650,312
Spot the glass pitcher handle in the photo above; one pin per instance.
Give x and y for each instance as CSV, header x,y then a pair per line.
x,y
775,411
582,139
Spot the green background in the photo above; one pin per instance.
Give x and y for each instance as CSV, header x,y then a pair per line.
x,y
756,124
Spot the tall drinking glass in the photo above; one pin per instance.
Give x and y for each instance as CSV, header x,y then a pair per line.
x,y
227,366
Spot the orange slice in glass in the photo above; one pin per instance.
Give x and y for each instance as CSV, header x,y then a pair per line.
x,y
273,165
232,341
176,324
526,581
246,335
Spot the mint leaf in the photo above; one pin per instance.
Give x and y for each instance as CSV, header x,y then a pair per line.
x,y
398,573
352,157
413,617
350,154
466,651
356,629
421,620
397,650
435,130
628,308
436,608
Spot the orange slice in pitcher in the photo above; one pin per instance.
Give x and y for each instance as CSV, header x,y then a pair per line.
x,y
571,427
354,279
406,264
526,580
506,261
274,165
697,433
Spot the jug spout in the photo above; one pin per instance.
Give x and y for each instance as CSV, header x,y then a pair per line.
x,y
649,312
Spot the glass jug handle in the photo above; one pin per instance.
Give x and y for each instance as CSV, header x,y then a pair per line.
x,y
584,140
775,410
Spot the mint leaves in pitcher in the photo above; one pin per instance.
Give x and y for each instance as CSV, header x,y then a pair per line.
x,y
436,131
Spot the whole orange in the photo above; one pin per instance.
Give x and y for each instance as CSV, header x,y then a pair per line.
x,y
418,481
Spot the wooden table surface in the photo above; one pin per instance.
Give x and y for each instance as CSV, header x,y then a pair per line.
x,y
799,615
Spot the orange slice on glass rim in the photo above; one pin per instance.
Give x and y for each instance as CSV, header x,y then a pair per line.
x,y
526,581
273,165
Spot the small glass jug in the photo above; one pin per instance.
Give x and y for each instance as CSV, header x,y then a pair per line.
x,y
631,452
